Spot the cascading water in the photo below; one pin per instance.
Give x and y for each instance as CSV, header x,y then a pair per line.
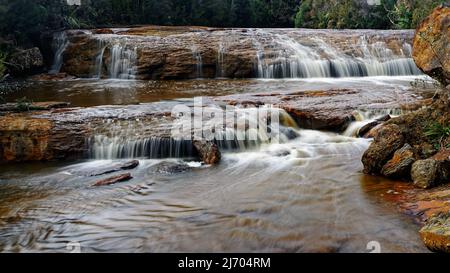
x,y
280,56
106,147
123,62
364,117
197,55
134,139
60,43
98,68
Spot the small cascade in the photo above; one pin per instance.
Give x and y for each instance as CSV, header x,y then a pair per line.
x,y
60,43
196,54
364,117
221,60
123,62
117,147
253,127
98,68
136,138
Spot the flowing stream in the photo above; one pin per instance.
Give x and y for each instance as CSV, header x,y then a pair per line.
x,y
305,193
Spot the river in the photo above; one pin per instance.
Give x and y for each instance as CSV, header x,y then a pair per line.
x,y
305,194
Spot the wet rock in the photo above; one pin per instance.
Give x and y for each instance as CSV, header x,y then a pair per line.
x,y
388,140
432,171
425,173
33,106
373,132
113,180
52,77
24,137
431,42
400,164
363,131
208,151
366,130
120,167
383,118
26,61
436,233
169,168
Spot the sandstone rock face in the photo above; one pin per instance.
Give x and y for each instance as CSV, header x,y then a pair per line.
x,y
436,233
26,61
388,140
25,138
70,133
431,51
400,164
156,52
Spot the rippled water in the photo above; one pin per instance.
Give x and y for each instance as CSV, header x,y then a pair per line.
x,y
305,195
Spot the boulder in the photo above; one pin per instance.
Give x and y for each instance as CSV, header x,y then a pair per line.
x,y
400,164
26,61
208,151
436,233
388,140
113,180
425,173
430,48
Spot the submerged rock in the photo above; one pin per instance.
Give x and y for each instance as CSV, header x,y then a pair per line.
x,y
436,233
400,164
113,180
169,168
120,167
431,51
386,143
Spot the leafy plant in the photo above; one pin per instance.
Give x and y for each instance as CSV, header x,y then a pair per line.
x,y
437,134
23,104
2,64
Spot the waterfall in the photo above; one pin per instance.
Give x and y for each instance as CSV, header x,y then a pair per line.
x,y
60,43
281,56
98,68
220,60
198,61
106,147
123,62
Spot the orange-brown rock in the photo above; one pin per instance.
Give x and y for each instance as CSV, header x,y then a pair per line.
x,y
113,180
436,233
24,137
431,49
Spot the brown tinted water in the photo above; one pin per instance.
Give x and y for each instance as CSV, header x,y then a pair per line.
x,y
306,195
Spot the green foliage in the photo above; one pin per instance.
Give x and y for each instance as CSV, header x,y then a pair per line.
x,y
24,21
438,134
2,64
23,104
